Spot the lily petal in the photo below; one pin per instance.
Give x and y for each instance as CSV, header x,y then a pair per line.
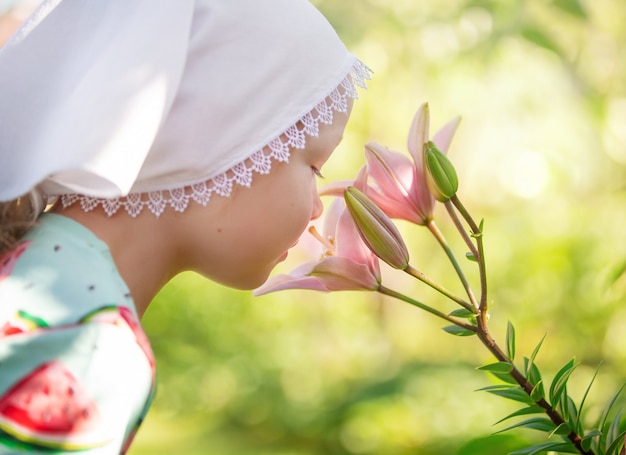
x,y
418,134
392,171
401,190
343,274
443,137
298,278
335,188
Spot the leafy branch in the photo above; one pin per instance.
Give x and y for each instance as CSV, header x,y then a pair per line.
x,y
559,415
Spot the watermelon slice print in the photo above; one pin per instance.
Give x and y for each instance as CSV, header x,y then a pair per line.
x,y
49,408
22,322
123,317
8,259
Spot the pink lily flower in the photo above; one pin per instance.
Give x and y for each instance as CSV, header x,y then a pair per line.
x,y
339,187
400,188
347,264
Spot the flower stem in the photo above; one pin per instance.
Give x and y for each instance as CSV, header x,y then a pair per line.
x,y
391,293
482,332
461,229
434,229
478,235
424,279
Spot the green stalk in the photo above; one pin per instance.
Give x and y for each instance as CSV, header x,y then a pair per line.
x,y
391,293
478,235
424,279
457,222
432,227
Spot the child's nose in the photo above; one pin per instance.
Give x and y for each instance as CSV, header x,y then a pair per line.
x,y
318,207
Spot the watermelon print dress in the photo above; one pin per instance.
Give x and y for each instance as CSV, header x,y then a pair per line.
x,y
76,369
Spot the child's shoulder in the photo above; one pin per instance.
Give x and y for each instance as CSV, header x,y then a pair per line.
x,y
59,271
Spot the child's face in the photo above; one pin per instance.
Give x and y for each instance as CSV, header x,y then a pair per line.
x,y
238,240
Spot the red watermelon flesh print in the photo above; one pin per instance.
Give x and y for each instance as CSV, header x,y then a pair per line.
x,y
8,259
49,408
123,317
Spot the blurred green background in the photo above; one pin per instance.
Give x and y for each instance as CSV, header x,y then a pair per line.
x,y
541,154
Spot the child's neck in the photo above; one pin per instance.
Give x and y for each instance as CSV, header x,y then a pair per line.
x,y
141,250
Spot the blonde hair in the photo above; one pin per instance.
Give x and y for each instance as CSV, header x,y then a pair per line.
x,y
16,218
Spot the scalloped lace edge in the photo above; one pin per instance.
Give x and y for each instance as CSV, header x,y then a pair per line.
x,y
242,173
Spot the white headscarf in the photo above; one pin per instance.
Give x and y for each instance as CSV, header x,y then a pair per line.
x,y
177,99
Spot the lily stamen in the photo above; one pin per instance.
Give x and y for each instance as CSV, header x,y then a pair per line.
x,y
329,243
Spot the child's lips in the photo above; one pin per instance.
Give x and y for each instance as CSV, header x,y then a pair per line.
x,y
286,253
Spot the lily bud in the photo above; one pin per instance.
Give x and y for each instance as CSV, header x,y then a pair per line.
x,y
440,173
376,229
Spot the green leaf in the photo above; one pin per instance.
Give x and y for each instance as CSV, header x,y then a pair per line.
x,y
573,7
561,447
534,375
510,392
510,341
497,387
471,257
458,331
462,313
537,393
531,361
560,381
592,434
498,367
617,444
613,432
562,429
607,409
534,423
534,409
582,402
504,377
587,440
568,409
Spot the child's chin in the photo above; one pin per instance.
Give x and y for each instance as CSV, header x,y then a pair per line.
x,y
249,282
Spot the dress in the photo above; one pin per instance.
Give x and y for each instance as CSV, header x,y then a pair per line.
x,y
76,370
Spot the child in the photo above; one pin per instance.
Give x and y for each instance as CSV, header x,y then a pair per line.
x,y
173,136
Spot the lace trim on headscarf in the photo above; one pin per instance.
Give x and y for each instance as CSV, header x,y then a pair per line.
x,y
242,173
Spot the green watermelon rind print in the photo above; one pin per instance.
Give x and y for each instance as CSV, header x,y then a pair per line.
x,y
35,322
10,442
105,309
23,436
